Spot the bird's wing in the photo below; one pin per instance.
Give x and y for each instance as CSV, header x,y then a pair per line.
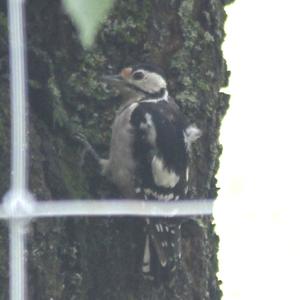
x,y
159,149
161,156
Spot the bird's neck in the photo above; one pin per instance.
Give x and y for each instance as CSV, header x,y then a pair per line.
x,y
128,98
136,96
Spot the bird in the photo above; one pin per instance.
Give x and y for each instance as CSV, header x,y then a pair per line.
x,y
149,158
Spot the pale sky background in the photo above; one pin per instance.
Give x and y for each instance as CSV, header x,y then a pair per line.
x,y
257,212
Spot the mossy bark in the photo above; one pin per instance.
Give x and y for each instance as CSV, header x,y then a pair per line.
x,y
98,258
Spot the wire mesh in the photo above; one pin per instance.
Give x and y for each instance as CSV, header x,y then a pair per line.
x,y
19,207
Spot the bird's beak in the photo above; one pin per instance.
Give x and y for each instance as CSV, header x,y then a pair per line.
x,y
118,81
114,80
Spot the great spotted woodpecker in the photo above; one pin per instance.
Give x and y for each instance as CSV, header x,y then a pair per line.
x,y
149,154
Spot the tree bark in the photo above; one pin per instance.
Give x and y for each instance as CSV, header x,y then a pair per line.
x,y
98,258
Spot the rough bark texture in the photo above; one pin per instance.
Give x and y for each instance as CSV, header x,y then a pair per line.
x,y
98,258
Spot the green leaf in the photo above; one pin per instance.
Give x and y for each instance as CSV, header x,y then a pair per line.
x,y
87,15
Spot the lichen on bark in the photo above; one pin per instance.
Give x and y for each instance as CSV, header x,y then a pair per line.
x,y
98,258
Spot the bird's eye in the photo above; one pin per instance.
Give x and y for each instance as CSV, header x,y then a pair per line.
x,y
138,75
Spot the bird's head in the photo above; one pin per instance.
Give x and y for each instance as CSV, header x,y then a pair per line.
x,y
139,81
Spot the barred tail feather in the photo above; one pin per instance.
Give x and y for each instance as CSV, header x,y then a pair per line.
x,y
147,257
164,242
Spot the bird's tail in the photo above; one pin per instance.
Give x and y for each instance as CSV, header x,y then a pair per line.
x,y
162,253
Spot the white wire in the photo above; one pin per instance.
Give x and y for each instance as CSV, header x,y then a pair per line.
x,y
64,208
15,200
17,266
18,94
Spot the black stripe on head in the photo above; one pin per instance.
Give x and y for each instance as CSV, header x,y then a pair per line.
x,y
150,68
155,95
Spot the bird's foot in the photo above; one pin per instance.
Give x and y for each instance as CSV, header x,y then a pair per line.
x,y
87,148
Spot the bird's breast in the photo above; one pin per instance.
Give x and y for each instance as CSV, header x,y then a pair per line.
x,y
122,163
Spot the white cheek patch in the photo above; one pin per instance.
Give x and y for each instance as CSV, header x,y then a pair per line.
x,y
151,83
161,175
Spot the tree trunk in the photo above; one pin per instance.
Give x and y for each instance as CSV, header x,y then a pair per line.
x,y
98,258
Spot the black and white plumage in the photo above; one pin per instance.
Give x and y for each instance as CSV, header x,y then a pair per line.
x,y
149,156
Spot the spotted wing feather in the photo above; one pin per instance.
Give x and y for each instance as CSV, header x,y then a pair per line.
x,y
161,155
